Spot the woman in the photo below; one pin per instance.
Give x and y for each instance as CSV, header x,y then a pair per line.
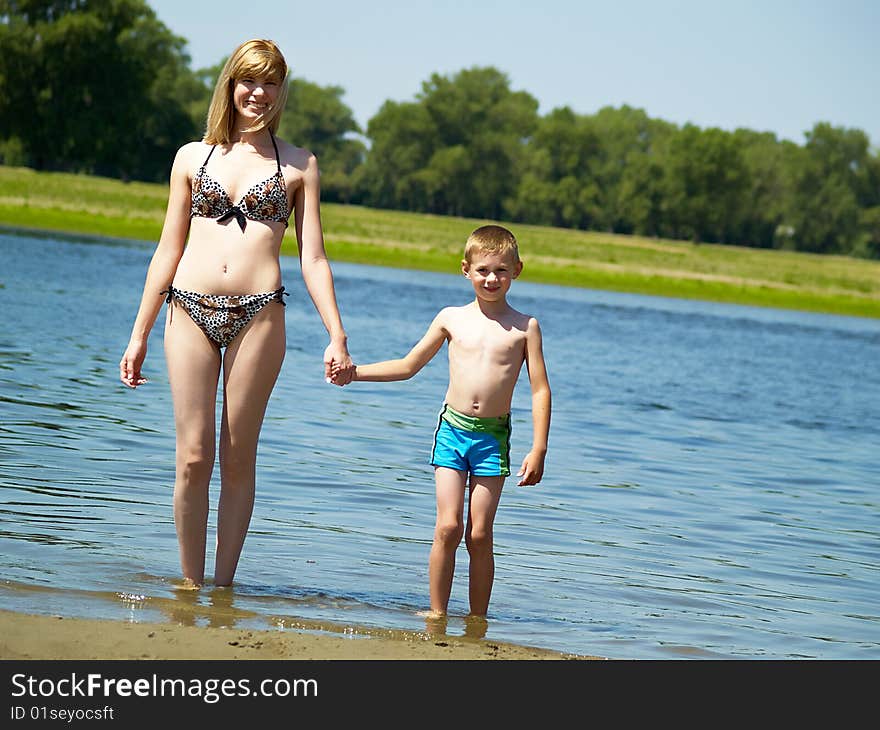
x,y
231,195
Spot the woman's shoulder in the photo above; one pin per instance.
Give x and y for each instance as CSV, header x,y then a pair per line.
x,y
298,157
190,157
192,154
194,149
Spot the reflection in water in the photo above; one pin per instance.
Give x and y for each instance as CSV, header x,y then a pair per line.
x,y
223,612
475,627
185,610
436,625
205,606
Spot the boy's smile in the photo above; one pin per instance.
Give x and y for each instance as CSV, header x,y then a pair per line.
x,y
491,274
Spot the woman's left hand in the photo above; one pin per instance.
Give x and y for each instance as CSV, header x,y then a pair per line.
x,y
338,368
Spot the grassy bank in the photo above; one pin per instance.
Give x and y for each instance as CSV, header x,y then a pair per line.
x,y
832,284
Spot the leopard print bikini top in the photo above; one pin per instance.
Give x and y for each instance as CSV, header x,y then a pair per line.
x,y
265,201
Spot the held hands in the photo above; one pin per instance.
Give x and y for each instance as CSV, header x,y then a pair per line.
x,y
338,367
532,468
340,375
130,365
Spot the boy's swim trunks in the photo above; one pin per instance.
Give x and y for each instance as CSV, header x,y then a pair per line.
x,y
480,446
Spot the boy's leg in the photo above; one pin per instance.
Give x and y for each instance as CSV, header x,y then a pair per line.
x,y
450,486
485,495
250,368
193,370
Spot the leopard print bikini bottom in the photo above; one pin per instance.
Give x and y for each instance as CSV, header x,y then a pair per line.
x,y
221,317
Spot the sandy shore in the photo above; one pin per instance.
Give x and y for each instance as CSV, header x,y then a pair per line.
x,y
26,636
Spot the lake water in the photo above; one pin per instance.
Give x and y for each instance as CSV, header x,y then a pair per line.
x,y
711,489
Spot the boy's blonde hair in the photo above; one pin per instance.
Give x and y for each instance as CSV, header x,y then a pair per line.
x,y
491,239
253,59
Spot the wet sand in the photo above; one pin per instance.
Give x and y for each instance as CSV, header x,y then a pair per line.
x,y
27,636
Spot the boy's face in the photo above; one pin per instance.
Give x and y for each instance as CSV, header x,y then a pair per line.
x,y
491,274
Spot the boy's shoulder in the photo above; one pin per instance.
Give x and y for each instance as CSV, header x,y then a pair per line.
x,y
452,312
471,313
521,320
522,315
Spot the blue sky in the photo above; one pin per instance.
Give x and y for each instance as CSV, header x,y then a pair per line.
x,y
778,66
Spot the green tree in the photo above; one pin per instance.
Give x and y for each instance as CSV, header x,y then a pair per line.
x,y
456,150
706,185
630,169
195,91
403,138
560,184
91,86
768,162
868,243
315,117
832,182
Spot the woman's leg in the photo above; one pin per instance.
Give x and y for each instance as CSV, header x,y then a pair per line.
x,y
484,499
250,369
193,370
450,485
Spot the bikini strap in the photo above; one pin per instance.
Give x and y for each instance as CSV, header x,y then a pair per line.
x,y
277,156
204,164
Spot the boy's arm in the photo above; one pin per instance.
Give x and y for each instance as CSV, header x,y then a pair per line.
x,y
405,367
532,468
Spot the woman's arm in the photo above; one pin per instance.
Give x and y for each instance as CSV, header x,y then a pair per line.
x,y
161,270
316,272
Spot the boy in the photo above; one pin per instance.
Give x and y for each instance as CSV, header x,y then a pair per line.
x,y
488,343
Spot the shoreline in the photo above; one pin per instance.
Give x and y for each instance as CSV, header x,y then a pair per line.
x,y
26,636
775,278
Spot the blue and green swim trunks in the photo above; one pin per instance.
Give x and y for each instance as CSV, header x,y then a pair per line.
x,y
472,444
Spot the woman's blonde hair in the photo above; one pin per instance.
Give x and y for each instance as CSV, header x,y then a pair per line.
x,y
253,59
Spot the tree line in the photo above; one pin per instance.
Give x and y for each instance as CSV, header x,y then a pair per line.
x,y
103,87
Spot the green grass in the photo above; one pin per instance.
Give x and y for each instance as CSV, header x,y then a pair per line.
x,y
833,284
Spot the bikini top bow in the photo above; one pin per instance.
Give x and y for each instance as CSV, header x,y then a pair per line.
x,y
237,213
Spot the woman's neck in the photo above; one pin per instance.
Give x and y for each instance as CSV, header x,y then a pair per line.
x,y
258,139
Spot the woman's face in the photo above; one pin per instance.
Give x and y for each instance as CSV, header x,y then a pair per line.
x,y
254,97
